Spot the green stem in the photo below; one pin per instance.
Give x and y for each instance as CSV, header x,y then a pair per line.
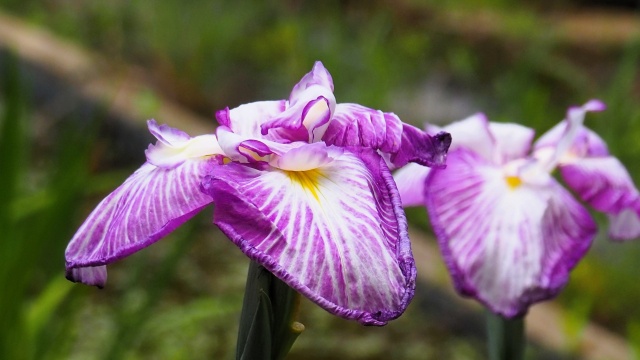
x,y
267,323
505,337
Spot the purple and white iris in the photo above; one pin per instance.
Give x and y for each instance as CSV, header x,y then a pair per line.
x,y
302,186
508,231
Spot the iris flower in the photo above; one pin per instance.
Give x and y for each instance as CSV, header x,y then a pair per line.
x,y
302,186
508,231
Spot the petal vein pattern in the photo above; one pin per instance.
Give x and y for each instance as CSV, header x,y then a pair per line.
x,y
507,247
148,205
336,233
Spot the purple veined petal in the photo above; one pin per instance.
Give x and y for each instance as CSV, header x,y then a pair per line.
x,y
306,120
512,141
419,147
246,120
602,182
317,76
336,234
506,245
151,203
625,225
166,134
410,180
356,125
249,150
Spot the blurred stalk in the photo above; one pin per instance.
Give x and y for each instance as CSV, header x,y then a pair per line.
x,y
505,337
268,327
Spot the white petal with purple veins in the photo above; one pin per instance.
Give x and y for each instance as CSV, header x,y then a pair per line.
x,y
506,243
151,203
336,233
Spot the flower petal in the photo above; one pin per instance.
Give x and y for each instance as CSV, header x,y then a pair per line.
x,y
625,225
471,133
419,147
512,141
410,180
356,125
506,246
151,203
337,234
319,75
175,146
247,119
605,184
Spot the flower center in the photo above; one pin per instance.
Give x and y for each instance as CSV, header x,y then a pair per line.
x,y
308,180
513,181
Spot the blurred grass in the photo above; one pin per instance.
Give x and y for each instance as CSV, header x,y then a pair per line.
x,y
208,55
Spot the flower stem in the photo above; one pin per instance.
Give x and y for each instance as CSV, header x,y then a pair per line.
x,y
505,337
267,323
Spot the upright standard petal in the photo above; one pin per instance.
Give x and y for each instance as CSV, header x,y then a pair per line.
x,y
336,233
147,206
506,243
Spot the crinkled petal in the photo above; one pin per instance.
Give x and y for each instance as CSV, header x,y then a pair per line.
x,y
337,234
419,147
410,180
151,203
506,246
356,125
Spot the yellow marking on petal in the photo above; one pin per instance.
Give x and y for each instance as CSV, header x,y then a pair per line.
x,y
513,181
226,160
308,180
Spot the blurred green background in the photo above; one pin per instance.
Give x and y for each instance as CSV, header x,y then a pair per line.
x,y
427,61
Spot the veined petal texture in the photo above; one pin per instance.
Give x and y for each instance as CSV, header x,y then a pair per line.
x,y
336,233
152,202
507,245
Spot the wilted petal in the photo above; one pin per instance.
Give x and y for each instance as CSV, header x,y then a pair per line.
x,y
508,245
151,203
336,234
410,180
356,125
90,275
419,147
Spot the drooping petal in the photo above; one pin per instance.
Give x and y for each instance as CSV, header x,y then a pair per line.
x,y
605,184
506,244
356,125
419,147
151,203
410,180
337,233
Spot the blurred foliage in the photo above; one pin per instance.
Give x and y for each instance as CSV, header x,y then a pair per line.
x,y
181,298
